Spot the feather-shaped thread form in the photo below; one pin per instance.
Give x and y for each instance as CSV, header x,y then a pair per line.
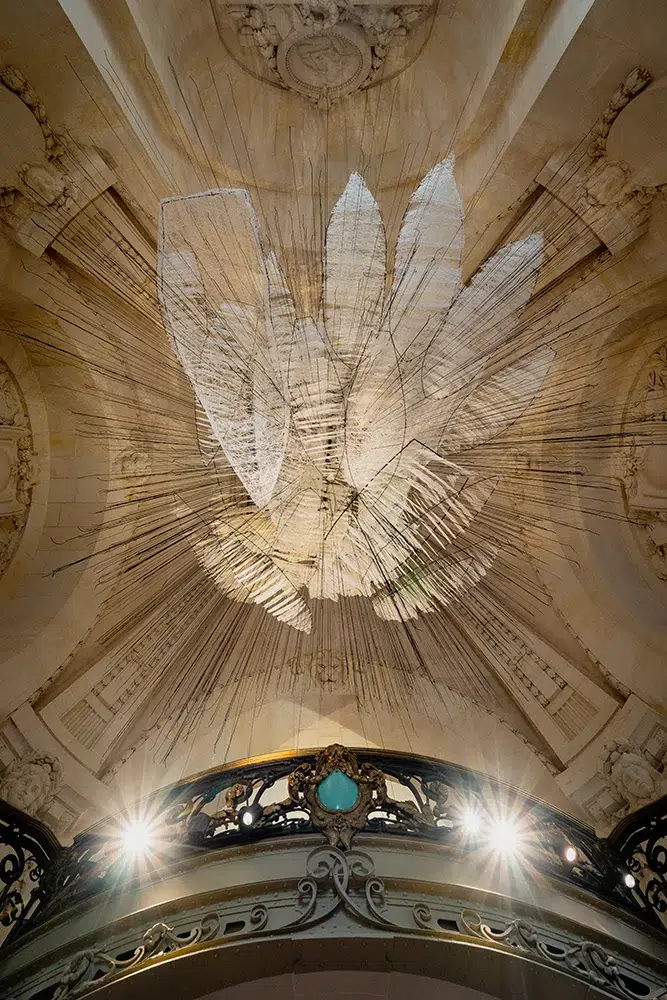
x,y
344,429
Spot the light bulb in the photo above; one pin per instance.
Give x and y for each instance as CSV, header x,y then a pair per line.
x,y
630,880
570,854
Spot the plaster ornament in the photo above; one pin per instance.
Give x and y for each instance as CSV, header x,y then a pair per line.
x,y
31,783
11,409
14,80
625,769
349,430
45,184
610,183
644,462
19,470
324,49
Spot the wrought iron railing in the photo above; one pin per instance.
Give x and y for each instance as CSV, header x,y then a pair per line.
x,y
640,841
337,793
28,850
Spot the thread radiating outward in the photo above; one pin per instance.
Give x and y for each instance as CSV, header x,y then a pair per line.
x,y
348,429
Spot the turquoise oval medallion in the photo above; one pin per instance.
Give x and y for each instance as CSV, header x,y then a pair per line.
x,y
338,792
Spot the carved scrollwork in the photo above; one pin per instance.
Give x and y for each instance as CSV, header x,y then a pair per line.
x,y
338,882
93,966
587,960
281,798
330,867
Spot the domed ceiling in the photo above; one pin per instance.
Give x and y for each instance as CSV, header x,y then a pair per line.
x,y
333,390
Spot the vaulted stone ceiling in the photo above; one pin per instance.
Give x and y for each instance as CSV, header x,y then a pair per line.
x,y
148,623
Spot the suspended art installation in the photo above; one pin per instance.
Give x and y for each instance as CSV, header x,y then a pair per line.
x,y
348,430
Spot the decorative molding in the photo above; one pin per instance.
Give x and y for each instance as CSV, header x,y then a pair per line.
x,y
596,187
337,893
585,959
643,461
88,968
324,49
48,194
30,783
19,471
564,706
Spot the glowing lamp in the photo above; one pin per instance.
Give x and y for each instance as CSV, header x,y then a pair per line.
x,y
137,838
504,837
471,822
250,815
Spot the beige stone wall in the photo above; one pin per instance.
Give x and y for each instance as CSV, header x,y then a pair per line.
x,y
104,640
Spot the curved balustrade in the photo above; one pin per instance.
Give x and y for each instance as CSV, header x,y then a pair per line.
x,y
28,852
338,793
641,843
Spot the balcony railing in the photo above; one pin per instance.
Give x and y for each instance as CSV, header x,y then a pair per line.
x,y
339,794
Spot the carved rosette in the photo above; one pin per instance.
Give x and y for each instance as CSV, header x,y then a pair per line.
x,y
324,49
339,825
18,470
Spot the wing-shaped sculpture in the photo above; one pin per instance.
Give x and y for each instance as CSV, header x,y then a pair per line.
x,y
345,428
213,287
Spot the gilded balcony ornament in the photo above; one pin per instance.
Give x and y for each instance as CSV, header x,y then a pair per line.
x,y
324,788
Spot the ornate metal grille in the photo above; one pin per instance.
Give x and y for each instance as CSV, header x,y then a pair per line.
x,y
397,795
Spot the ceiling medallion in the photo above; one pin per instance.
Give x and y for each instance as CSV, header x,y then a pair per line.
x,y
323,49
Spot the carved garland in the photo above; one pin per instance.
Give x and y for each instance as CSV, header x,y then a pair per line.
x,y
324,49
40,185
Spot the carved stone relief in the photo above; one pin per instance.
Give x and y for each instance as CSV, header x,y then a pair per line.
x,y
625,769
49,192
46,182
644,462
18,467
601,189
324,49
338,893
30,783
